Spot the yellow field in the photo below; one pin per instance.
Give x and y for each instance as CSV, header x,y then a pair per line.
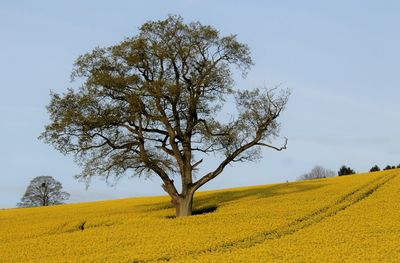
x,y
345,219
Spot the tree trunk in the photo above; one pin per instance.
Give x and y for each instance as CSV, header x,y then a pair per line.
x,y
183,205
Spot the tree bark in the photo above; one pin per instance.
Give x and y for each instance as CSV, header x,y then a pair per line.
x,y
183,205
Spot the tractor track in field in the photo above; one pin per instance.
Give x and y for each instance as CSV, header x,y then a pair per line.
x,y
315,217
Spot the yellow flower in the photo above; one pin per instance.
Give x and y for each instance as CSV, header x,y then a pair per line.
x,y
347,219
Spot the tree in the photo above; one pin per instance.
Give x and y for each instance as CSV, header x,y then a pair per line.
x,y
398,166
43,191
375,169
389,167
149,105
316,173
344,170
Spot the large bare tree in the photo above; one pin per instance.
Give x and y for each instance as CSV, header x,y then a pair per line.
x,y
149,104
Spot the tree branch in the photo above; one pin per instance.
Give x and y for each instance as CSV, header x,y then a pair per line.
x,y
284,147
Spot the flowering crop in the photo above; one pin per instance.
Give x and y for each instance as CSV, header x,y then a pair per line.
x,y
350,218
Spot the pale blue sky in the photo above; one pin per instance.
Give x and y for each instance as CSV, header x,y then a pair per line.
x,y
341,59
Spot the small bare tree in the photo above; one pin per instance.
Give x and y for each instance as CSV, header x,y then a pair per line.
x,y
316,173
43,191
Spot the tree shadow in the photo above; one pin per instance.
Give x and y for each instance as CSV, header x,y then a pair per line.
x,y
198,211
209,202
204,210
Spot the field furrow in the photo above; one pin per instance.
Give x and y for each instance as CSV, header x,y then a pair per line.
x,y
342,203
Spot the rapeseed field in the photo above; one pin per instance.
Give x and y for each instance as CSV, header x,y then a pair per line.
x,y
343,219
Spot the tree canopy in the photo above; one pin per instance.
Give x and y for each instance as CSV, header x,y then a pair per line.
x,y
375,168
344,170
149,105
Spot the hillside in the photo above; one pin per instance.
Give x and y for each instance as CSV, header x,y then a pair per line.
x,y
343,219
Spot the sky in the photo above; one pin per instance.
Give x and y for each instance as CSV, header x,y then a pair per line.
x,y
340,59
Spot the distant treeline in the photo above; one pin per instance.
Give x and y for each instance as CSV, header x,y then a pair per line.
x,y
321,172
